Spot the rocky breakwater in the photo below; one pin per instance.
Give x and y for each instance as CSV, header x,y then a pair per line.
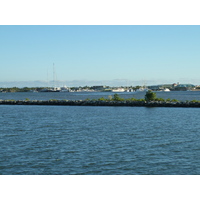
x,y
100,103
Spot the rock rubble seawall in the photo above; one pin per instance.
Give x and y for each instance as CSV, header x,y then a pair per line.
x,y
99,103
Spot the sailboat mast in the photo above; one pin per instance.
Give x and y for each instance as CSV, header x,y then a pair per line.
x,y
53,75
47,77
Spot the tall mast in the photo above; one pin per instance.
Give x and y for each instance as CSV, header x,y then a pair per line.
x,y
47,77
53,76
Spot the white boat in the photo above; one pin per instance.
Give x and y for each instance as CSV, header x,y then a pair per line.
x,y
118,90
54,89
64,89
142,89
166,90
129,90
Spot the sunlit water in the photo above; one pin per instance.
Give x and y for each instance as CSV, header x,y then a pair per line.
x,y
99,140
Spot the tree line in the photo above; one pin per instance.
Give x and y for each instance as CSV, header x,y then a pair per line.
x,y
24,89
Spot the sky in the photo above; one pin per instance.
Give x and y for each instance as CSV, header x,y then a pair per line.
x,y
99,54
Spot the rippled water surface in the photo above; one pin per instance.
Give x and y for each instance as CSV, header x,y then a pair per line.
x,y
99,140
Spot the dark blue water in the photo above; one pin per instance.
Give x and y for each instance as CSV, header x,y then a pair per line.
x,y
99,140
180,95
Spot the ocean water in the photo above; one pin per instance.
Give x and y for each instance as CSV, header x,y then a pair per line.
x,y
51,140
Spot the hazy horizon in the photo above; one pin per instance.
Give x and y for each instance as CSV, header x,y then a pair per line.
x,y
77,83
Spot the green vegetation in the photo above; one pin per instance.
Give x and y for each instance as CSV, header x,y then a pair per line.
x,y
195,101
160,99
150,96
10,100
132,99
24,89
117,98
174,100
102,99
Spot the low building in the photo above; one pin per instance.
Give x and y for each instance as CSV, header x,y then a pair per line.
x,y
160,87
184,87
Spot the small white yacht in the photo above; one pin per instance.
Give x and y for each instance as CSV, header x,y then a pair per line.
x,y
64,89
166,90
118,90
142,89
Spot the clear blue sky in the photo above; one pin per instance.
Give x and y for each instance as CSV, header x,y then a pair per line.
x,y
100,53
